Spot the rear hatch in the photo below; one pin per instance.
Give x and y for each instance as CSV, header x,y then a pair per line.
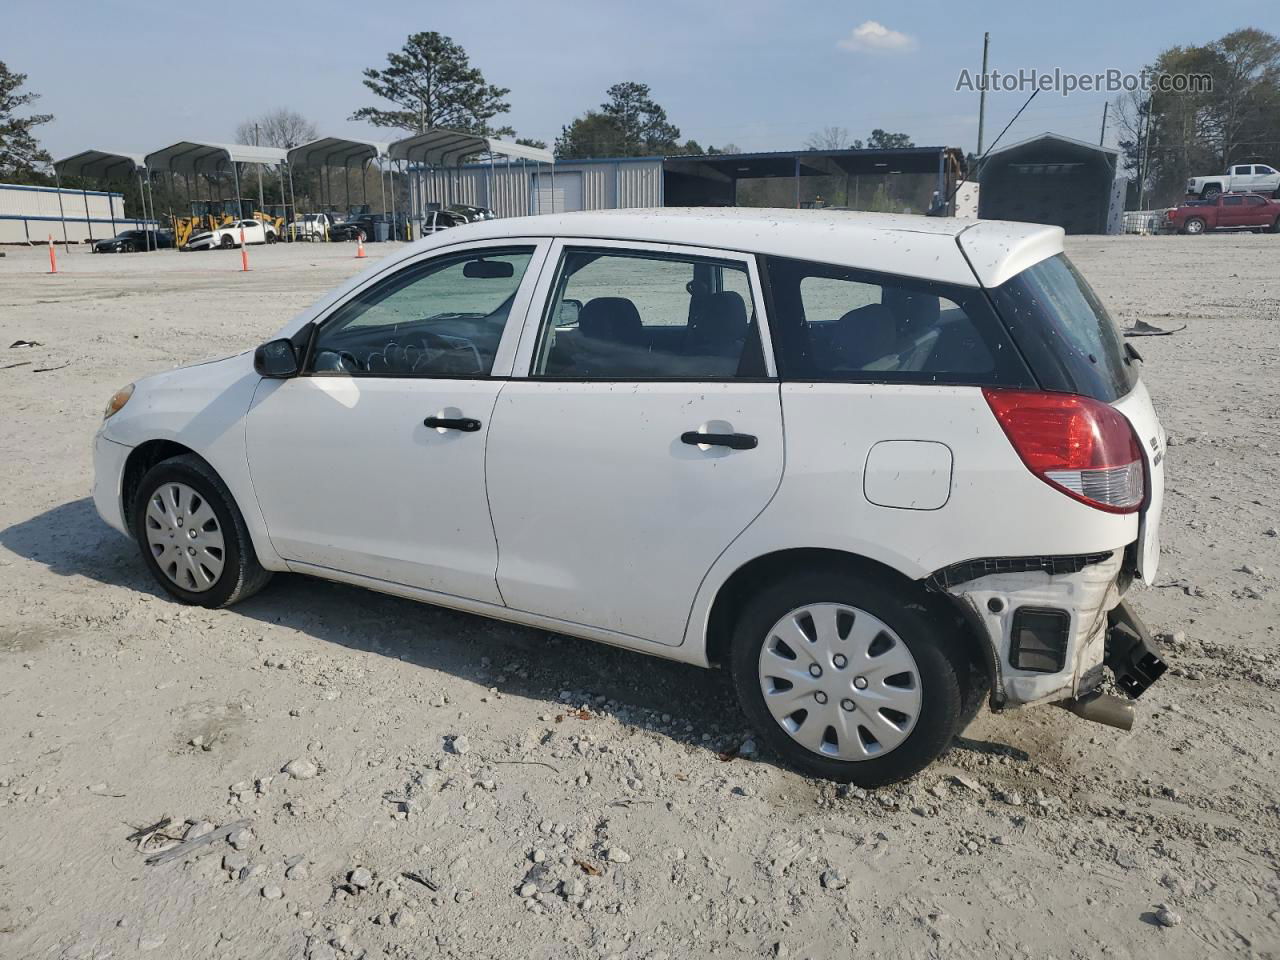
x,y
1072,345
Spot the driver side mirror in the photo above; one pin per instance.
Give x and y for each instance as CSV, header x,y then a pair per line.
x,y
277,360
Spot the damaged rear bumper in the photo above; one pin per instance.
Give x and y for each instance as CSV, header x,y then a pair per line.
x,y
1053,626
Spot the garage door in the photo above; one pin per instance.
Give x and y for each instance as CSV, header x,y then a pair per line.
x,y
564,197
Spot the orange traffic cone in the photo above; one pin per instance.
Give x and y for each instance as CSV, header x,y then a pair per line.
x,y
53,256
244,253
360,254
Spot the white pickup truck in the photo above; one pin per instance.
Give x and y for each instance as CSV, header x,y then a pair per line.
x,y
311,226
1242,178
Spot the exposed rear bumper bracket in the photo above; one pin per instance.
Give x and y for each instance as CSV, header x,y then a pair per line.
x,y
1131,655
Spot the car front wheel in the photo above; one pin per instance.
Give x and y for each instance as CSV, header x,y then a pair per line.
x,y
228,242
193,537
1194,226
845,677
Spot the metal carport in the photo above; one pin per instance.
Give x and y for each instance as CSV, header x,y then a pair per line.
x,y
192,158
329,152
440,149
102,165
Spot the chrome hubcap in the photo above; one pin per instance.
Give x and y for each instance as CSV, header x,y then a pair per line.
x,y
840,682
184,537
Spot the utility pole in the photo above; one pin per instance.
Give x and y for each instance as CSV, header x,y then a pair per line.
x,y
1146,150
982,90
1103,136
262,199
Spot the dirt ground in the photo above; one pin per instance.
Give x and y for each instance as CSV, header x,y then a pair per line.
x,y
591,806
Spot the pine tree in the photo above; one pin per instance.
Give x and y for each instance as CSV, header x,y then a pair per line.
x,y
432,81
20,153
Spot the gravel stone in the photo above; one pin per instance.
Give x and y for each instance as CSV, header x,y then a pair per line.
x,y
834,879
301,769
272,892
1168,918
617,855
360,878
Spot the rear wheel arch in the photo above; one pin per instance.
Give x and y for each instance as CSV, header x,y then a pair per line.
x,y
754,574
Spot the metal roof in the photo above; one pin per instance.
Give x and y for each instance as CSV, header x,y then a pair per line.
x,y
101,164
336,151
190,156
784,163
1070,141
447,147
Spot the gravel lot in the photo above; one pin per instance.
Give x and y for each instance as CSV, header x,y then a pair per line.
x,y
470,789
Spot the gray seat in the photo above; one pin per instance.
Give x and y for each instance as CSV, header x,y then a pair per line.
x,y
614,319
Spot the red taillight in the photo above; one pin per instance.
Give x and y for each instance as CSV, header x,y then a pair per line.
x,y
1078,445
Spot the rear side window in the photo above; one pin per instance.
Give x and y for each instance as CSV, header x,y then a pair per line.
x,y
833,323
1066,334
623,315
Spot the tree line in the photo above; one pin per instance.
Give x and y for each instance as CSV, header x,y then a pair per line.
x,y
1167,137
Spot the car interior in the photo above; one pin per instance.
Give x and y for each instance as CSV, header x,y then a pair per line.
x,y
699,329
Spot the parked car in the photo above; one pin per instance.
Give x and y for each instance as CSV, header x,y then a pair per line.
x,y
454,215
1225,211
881,468
129,241
228,236
348,229
311,226
1251,177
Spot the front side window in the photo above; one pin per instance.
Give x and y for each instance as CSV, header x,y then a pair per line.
x,y
638,316
835,323
439,318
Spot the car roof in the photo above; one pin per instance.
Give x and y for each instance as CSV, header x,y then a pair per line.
x,y
947,249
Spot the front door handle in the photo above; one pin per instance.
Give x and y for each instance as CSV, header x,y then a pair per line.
x,y
735,441
465,424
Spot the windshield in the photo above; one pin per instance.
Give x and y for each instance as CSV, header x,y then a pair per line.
x,y
1065,332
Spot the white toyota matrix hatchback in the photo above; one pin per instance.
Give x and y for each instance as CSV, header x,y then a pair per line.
x,y
882,468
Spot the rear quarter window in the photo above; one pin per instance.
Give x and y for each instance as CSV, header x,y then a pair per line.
x,y
1061,327
833,323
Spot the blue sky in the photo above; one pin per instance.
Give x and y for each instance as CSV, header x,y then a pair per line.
x,y
135,76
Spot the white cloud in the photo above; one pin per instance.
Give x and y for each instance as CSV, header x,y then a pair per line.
x,y
877,37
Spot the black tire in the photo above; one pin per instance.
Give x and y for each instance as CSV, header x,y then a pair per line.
x,y
1200,226
939,659
1209,192
1275,227
126,247
242,575
227,241
271,237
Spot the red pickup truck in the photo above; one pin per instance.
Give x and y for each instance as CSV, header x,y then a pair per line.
x,y
1227,211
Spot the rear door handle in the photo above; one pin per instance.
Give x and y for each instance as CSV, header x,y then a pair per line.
x,y
465,424
735,441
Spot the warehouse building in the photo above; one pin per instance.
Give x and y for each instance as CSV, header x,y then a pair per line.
x,y
32,214
904,180
1053,179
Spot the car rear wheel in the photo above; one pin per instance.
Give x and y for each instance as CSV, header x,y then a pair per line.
x,y
1275,227
1194,225
228,242
271,238
193,537
127,247
1210,192
846,678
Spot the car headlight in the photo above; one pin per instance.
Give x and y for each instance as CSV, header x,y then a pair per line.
x,y
117,401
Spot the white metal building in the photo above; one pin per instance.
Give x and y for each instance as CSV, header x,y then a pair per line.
x,y
517,189
31,214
